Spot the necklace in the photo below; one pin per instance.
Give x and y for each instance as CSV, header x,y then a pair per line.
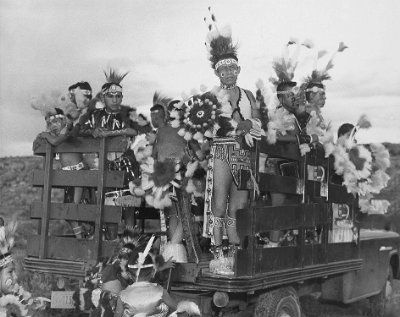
x,y
228,87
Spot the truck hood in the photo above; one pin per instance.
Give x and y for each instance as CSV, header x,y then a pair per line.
x,y
367,234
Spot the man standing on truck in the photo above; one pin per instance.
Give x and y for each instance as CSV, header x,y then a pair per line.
x,y
169,145
110,118
228,156
291,114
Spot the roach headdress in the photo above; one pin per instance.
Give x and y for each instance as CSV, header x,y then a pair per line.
x,y
219,44
113,84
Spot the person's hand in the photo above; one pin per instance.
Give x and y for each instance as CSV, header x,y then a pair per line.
x,y
37,143
44,135
100,133
125,275
249,139
244,126
169,264
130,132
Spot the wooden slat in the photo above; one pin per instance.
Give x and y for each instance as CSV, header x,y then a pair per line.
x,y
342,251
70,248
313,188
313,254
244,222
317,157
98,225
58,267
277,218
272,259
244,263
85,145
339,195
280,150
47,183
316,215
144,212
82,178
60,211
281,218
278,184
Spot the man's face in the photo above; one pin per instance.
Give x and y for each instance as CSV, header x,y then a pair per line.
x,y
318,98
157,118
113,101
8,278
288,100
228,74
55,125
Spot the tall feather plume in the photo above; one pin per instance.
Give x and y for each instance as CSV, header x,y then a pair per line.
x,y
219,41
114,77
159,99
330,64
283,69
318,76
364,122
221,46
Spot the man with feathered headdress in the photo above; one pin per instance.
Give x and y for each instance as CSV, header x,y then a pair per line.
x,y
227,155
108,117
288,121
315,88
171,148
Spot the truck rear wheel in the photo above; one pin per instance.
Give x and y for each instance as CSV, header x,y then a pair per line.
x,y
282,302
381,301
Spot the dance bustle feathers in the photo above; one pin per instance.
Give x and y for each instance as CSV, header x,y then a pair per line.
x,y
203,114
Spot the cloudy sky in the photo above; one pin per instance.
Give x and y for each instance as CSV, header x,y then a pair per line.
x,y
47,45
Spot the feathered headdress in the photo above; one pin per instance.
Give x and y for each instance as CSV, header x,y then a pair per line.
x,y
318,76
219,44
286,65
53,103
140,264
7,240
164,101
113,84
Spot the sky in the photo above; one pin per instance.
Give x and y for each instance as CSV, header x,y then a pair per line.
x,y
47,45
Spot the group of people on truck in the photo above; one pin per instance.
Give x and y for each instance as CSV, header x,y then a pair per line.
x,y
198,145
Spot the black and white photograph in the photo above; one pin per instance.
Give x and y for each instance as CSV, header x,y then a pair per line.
x,y
223,158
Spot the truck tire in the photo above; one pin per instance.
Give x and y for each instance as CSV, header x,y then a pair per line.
x,y
282,302
380,302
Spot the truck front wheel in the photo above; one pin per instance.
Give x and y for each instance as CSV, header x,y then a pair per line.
x,y
282,302
381,301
